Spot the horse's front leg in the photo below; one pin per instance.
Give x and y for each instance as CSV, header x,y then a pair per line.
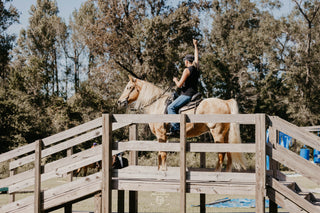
x,y
162,161
220,161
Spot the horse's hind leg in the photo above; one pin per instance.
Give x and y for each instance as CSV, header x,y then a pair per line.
x,y
229,162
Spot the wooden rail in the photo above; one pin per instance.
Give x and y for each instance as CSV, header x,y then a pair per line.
x,y
135,178
278,193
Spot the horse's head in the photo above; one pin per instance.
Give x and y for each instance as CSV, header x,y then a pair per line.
x,y
130,92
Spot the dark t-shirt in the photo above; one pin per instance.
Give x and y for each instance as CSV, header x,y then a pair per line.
x,y
190,86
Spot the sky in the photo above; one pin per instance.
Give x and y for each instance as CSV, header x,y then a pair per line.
x,y
66,7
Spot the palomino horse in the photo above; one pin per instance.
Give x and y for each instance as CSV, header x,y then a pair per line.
x,y
152,100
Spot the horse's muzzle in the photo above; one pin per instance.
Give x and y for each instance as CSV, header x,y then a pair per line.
x,y
122,103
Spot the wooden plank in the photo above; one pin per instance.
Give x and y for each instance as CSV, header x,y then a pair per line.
x,y
297,163
54,173
292,196
298,133
59,147
191,187
222,118
97,203
106,163
37,175
52,166
183,163
17,152
161,118
59,195
260,162
282,201
191,147
311,128
73,131
173,173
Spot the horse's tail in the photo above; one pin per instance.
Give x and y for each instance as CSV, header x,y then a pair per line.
x,y
238,159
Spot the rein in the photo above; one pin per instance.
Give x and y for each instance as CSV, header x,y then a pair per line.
x,y
157,98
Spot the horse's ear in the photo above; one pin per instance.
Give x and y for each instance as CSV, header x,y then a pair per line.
x,y
132,79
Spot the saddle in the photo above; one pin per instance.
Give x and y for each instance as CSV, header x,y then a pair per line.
x,y
193,104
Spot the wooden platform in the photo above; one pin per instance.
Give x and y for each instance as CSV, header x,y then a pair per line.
x,y
138,178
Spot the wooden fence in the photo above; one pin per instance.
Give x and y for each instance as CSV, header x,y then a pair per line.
x,y
136,178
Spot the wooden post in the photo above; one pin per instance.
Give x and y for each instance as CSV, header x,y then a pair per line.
x,y
106,163
68,207
97,203
133,195
274,165
203,165
183,163
260,121
13,195
37,177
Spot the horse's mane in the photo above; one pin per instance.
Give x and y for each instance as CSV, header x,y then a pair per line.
x,y
148,94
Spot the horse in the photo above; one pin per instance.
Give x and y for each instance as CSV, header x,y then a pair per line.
x,y
152,100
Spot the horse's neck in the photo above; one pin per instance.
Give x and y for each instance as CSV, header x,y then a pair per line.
x,y
150,96
157,107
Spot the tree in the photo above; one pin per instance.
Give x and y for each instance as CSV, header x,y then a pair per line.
x,y
239,58
142,38
8,16
302,28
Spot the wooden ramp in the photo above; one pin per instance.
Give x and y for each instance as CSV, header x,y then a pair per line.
x,y
181,179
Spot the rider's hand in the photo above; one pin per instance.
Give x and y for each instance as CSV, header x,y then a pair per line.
x,y
195,42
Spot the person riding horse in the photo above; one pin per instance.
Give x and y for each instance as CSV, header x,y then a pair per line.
x,y
188,84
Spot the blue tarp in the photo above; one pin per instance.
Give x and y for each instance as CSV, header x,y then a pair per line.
x,y
237,203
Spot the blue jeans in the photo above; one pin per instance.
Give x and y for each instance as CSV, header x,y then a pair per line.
x,y
174,107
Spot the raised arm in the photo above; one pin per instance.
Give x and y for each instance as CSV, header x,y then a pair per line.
x,y
196,53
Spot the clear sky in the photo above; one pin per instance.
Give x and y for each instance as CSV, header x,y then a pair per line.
x,y
67,6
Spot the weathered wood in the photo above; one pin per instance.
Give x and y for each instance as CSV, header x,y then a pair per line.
x,y
260,162
161,118
311,128
72,132
133,195
17,152
283,202
60,195
173,173
63,146
183,163
59,147
97,203
190,147
106,163
70,174
55,169
292,196
297,163
12,195
191,187
37,175
298,133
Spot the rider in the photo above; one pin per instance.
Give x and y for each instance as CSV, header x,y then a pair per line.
x,y
188,84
